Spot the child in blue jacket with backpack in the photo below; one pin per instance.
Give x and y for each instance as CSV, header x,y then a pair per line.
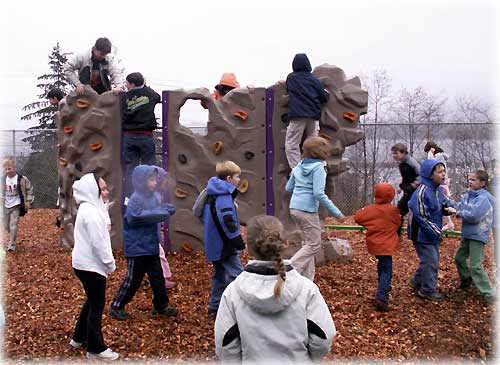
x,y
141,243
476,211
222,236
427,206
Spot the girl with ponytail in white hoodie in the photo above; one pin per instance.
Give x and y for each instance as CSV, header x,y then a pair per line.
x,y
92,261
271,314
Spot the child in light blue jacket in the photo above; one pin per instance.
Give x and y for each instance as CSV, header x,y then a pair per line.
x,y
307,185
476,212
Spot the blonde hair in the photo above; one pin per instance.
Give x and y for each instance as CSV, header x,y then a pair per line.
x,y
226,168
316,147
264,234
9,161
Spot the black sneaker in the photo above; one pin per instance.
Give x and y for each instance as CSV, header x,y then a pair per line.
x,y
167,311
381,305
119,314
435,297
414,286
465,284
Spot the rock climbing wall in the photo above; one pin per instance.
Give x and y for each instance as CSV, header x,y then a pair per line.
x,y
246,127
89,135
236,132
339,124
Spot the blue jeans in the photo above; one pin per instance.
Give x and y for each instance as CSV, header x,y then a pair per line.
x,y
384,270
225,271
426,276
137,149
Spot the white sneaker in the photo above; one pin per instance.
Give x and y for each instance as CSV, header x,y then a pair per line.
x,y
107,354
75,344
11,246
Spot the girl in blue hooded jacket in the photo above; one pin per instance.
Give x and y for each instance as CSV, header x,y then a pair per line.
x,y
476,211
141,240
223,241
307,185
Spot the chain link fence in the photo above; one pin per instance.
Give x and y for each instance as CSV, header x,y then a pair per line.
x,y
469,146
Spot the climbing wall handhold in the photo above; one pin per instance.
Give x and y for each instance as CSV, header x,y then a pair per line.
x,y
218,146
182,158
186,246
68,129
63,161
242,115
351,116
181,193
249,155
82,103
78,166
243,186
96,146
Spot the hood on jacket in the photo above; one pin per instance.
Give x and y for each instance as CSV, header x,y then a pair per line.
x,y
384,193
301,63
426,170
218,186
308,165
86,190
140,177
229,79
258,290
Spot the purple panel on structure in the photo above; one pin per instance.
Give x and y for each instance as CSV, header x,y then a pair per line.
x,y
269,151
164,154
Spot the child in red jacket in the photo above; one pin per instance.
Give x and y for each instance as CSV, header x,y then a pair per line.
x,y
382,221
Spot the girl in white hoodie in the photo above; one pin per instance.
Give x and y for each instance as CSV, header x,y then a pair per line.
x,y
92,261
270,313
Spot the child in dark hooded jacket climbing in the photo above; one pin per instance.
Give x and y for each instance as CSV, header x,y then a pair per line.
x,y
306,96
141,243
271,314
427,206
222,230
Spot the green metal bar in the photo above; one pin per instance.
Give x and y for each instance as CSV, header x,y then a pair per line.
x,y
361,229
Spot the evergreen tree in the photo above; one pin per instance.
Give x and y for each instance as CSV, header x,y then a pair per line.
x,y
41,109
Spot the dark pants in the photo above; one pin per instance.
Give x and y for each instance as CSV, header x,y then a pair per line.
x,y
426,275
403,203
137,267
224,272
384,270
89,325
137,149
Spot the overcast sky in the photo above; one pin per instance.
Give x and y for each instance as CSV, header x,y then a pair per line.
x,y
448,47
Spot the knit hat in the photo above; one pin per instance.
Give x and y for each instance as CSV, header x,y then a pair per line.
x,y
229,79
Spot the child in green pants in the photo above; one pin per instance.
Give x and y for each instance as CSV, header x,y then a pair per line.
x,y
476,211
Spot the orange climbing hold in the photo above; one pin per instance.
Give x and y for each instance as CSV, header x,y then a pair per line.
x,y
351,116
181,193
242,115
63,161
218,146
186,246
82,103
243,186
96,146
68,129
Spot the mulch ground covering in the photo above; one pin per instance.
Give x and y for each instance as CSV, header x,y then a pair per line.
x,y
43,299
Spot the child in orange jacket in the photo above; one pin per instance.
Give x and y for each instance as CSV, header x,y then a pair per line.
x,y
382,221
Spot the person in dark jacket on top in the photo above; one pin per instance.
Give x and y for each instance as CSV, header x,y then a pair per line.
x,y
306,96
138,122
141,244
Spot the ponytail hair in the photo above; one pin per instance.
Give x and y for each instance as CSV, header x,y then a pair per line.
x,y
264,236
